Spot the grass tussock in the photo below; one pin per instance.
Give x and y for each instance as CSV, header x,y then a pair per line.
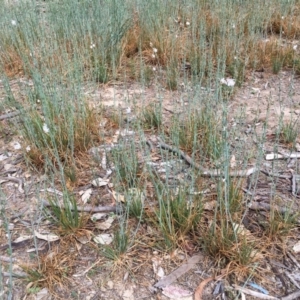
x,y
198,133
52,271
62,136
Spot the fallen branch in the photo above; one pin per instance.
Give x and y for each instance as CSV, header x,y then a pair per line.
x,y
254,293
9,115
167,280
87,208
276,175
292,296
205,172
15,274
273,156
266,206
7,259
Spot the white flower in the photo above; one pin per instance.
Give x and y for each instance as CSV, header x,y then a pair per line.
x,y
28,148
151,45
155,50
153,55
233,26
154,69
282,17
295,47
228,81
128,110
46,128
92,46
13,22
187,23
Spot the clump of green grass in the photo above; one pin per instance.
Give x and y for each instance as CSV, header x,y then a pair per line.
x,y
289,132
126,165
224,237
152,116
64,133
135,203
198,133
66,215
119,246
278,225
178,215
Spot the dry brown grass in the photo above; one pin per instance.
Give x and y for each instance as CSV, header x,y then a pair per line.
x,y
52,270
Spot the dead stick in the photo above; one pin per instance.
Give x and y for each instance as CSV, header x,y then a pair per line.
x,y
87,208
205,172
266,206
255,294
9,115
292,296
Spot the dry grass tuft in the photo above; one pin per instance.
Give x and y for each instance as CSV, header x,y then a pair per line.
x,y
52,271
12,62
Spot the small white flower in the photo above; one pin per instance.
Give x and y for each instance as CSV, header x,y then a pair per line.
x,y
187,23
295,47
155,50
46,128
153,55
151,45
228,81
28,148
92,46
154,69
128,110
13,22
282,17
233,26
235,57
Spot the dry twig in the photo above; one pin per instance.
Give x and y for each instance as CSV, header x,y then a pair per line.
x,y
205,172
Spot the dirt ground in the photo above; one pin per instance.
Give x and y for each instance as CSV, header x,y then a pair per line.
x,y
254,113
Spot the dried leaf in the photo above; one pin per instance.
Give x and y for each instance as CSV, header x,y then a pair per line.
x,y
118,197
100,182
210,205
86,195
47,237
3,157
232,162
296,247
98,216
177,292
104,238
43,295
106,224
23,238
7,167
84,239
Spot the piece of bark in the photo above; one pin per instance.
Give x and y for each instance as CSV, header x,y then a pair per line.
x,y
167,280
200,288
